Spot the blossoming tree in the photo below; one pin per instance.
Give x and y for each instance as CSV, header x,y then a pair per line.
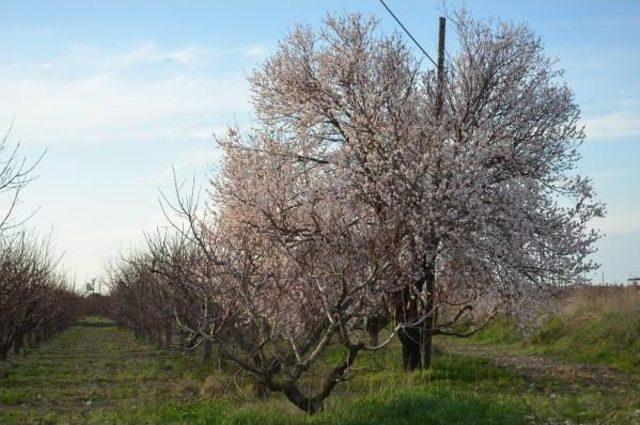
x,y
357,195
481,190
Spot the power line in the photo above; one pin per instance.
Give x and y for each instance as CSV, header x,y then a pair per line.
x,y
408,33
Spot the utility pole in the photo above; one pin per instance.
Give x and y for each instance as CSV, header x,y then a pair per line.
x,y
431,318
440,70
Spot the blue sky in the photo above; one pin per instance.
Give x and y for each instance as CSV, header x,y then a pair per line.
x,y
119,92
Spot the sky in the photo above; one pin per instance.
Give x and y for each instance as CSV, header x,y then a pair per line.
x,y
119,93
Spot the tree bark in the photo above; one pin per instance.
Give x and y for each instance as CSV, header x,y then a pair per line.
x,y
373,337
374,325
417,341
32,340
18,344
430,320
207,350
315,404
410,339
260,388
4,353
168,337
311,405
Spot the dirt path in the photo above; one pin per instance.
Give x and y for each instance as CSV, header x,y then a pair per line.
x,y
537,368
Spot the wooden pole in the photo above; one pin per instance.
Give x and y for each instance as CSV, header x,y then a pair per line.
x,y
440,69
430,276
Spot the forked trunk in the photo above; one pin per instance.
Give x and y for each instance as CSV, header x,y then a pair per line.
x,y
315,404
310,405
417,341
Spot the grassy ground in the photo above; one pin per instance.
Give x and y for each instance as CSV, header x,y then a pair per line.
x,y
95,373
593,325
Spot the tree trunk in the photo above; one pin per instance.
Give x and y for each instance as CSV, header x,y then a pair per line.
x,y
207,350
373,337
155,336
315,404
430,320
406,311
17,344
4,353
32,340
260,388
374,325
427,348
168,337
410,339
417,341
310,405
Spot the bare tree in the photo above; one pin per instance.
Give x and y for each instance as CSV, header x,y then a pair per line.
x,y
34,300
286,269
15,174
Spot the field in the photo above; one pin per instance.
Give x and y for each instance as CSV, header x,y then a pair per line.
x,y
345,212
582,367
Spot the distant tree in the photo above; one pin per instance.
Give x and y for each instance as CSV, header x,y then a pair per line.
x,y
15,174
34,301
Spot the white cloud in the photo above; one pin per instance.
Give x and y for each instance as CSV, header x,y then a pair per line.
x,y
191,161
619,222
255,52
103,102
151,53
95,96
613,125
105,108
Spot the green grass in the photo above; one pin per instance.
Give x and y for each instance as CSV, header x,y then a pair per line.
x,y
95,373
610,339
589,334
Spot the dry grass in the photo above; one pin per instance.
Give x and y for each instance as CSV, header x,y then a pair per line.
x,y
601,299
